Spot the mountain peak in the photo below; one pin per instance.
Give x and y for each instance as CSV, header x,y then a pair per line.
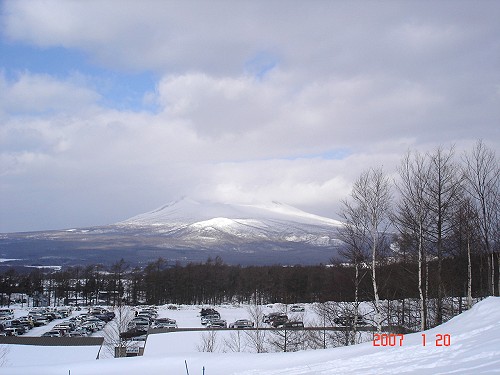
x,y
189,211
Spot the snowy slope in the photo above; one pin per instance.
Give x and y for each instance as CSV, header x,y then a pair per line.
x,y
474,349
189,211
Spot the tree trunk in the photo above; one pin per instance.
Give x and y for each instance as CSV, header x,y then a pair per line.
x,y
492,276
356,305
375,289
469,277
423,307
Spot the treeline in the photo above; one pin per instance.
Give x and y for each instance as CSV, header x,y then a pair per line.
x,y
215,282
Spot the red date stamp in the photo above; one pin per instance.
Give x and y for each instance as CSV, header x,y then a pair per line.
x,y
382,339
391,339
441,339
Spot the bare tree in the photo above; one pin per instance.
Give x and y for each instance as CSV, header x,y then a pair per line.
x,y
235,342
209,341
358,258
412,216
328,312
366,218
284,339
257,337
442,195
482,176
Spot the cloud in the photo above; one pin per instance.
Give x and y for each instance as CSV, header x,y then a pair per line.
x,y
39,93
259,100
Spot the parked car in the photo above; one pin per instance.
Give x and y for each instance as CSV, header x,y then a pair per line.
x,y
81,331
77,334
241,323
142,325
105,317
6,314
348,321
50,316
90,326
297,308
16,323
293,324
279,321
141,319
12,331
144,316
208,311
39,320
98,322
208,318
275,319
132,333
272,316
27,322
164,323
151,313
217,323
52,333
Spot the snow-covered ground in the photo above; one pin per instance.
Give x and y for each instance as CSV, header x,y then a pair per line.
x,y
473,348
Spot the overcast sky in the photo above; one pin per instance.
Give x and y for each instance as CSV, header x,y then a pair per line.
x,y
109,108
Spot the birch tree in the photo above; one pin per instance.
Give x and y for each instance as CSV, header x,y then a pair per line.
x,y
482,177
366,216
412,216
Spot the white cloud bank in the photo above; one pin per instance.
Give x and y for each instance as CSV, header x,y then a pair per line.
x,y
267,100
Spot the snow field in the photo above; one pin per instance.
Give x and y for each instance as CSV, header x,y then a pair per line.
x,y
474,349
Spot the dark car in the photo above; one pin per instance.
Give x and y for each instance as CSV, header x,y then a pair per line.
x,y
279,320
273,316
241,323
132,333
348,321
208,311
106,317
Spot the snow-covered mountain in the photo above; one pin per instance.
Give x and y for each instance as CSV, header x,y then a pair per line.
x,y
186,231
209,222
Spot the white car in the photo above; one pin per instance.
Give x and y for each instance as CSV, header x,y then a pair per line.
x,y
217,323
208,318
297,308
